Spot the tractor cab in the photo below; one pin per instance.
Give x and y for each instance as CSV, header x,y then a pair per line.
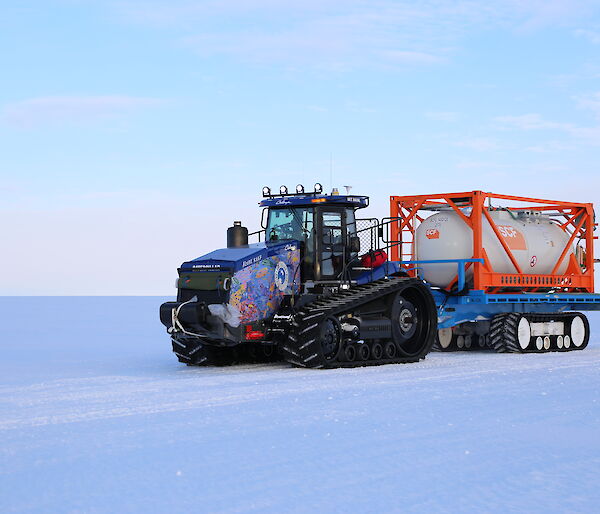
x,y
324,225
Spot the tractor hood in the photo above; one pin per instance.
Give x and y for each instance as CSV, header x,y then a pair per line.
x,y
235,259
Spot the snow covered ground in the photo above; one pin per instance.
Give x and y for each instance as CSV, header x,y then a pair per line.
x,y
97,416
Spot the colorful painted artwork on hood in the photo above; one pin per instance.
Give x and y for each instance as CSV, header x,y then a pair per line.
x,y
258,289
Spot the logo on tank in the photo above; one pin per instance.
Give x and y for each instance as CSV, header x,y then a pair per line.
x,y
282,276
432,233
514,239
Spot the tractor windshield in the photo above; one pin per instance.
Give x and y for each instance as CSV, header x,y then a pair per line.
x,y
294,223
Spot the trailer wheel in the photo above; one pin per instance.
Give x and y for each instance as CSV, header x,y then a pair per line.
x,y
468,342
539,343
524,333
579,331
444,340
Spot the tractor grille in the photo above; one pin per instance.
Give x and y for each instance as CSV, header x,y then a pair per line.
x,y
208,297
208,286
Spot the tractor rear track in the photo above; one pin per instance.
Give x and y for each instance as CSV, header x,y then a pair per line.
x,y
303,347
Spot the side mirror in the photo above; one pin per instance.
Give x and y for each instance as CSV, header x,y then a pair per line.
x,y
263,217
355,244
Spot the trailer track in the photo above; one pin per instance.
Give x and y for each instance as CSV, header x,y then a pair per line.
x,y
508,333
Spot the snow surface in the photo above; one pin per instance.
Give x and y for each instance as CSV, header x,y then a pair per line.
x,y
96,415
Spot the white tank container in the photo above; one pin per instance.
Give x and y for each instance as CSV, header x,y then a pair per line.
x,y
535,241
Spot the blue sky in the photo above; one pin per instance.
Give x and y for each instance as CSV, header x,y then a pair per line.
x,y
133,133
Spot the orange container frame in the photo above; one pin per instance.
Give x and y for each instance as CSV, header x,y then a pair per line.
x,y
407,212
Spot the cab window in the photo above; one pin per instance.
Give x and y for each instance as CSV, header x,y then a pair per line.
x,y
286,224
332,228
350,222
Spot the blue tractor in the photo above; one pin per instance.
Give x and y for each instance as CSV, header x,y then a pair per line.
x,y
307,294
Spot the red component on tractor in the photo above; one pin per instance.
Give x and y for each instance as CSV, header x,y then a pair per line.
x,y
253,335
373,259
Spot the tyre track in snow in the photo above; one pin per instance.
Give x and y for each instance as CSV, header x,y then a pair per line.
x,y
105,397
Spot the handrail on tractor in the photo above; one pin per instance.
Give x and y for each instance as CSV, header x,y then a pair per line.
x,y
461,264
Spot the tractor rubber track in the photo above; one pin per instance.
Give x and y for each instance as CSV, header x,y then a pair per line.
x,y
193,352
303,348
503,335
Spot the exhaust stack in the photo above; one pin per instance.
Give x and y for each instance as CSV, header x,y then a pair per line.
x,y
237,236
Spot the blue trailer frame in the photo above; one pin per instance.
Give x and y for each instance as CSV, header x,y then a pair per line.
x,y
476,305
